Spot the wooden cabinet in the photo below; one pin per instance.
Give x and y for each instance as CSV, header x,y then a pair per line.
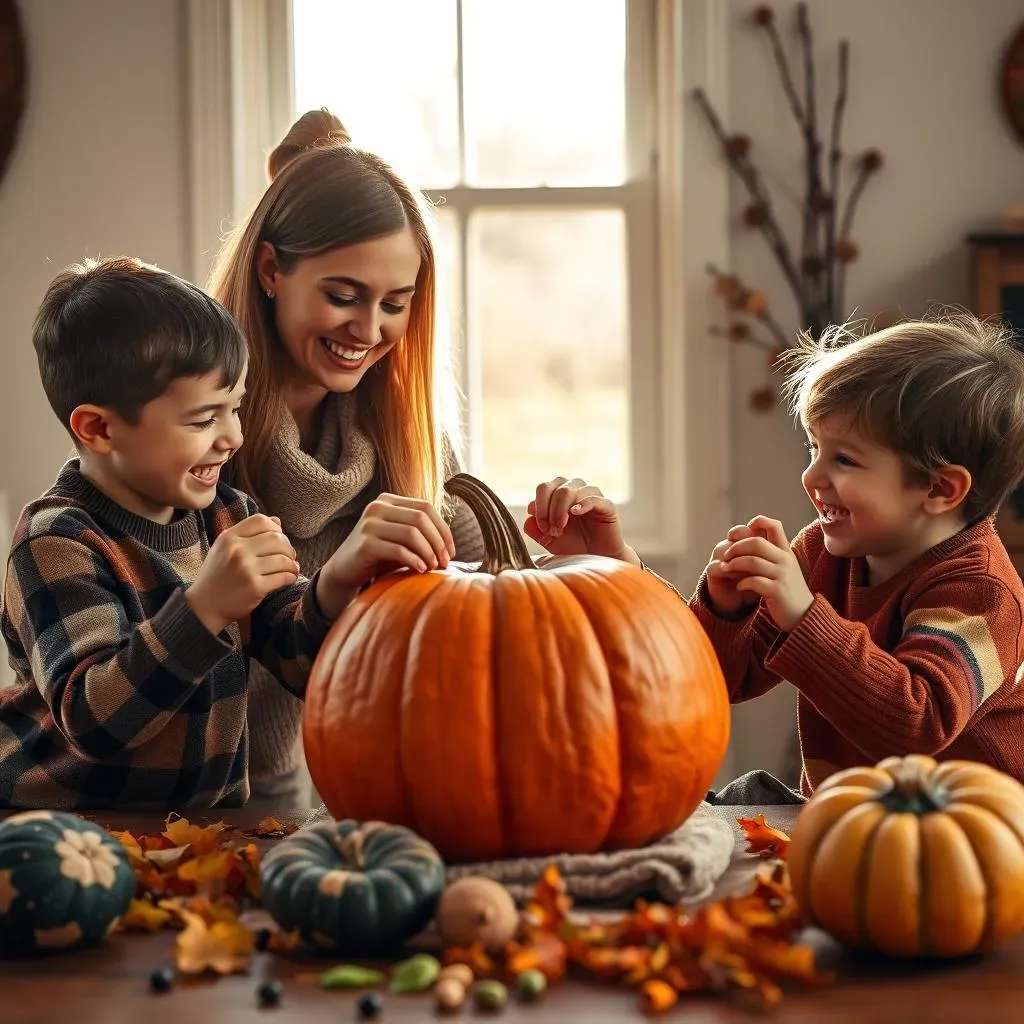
x,y
997,268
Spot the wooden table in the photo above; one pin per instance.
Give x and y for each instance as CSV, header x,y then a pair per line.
x,y
109,985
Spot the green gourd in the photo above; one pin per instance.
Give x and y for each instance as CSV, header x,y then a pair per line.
x,y
353,888
64,882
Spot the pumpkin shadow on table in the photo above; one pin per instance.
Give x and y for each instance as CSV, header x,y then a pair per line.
x,y
856,965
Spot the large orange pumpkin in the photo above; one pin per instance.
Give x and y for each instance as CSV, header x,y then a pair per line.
x,y
508,710
913,857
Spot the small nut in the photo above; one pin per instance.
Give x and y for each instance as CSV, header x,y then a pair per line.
x,y
463,973
450,993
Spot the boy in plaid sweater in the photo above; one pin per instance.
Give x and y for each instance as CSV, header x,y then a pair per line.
x,y
138,586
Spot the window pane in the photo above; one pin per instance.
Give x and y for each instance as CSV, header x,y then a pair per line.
x,y
544,92
549,323
445,236
387,68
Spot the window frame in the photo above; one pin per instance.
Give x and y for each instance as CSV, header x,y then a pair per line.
x,y
239,77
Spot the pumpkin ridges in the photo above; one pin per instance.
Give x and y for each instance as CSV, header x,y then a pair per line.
x,y
558,745
314,718
364,777
650,791
836,870
1009,813
872,778
891,917
953,889
813,824
447,679
1000,858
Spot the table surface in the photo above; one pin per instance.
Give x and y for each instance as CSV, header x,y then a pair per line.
x,y
109,985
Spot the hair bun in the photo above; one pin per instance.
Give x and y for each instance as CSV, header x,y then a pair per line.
x,y
314,128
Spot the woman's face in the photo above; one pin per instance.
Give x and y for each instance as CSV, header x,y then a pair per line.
x,y
342,311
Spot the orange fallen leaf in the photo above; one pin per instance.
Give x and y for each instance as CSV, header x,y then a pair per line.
x,y
143,916
270,827
223,947
657,996
762,839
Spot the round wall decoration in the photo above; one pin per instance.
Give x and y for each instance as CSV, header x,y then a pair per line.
x,y
13,79
1011,81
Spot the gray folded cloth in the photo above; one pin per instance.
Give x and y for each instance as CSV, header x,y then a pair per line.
x,y
756,787
682,867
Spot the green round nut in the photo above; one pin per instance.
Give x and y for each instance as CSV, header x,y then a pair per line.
x,y
490,995
531,984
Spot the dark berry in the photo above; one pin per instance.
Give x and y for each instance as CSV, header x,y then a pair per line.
x,y
262,939
161,980
269,992
370,1005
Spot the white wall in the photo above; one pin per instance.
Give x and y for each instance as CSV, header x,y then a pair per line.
x,y
99,170
922,90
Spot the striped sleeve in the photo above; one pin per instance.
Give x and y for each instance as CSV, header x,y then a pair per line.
x,y
285,633
957,648
110,685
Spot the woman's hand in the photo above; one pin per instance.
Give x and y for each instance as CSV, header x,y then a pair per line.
x,y
393,532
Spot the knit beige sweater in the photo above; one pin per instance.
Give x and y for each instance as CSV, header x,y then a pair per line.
x,y
319,499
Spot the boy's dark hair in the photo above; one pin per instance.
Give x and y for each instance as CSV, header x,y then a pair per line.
x,y
117,332
946,391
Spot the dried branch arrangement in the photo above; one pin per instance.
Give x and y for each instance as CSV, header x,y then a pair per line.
x,y
815,270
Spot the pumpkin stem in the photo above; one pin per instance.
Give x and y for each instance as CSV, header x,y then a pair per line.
x,y
504,547
913,792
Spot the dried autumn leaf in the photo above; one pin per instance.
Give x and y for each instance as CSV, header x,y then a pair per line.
x,y
181,832
545,953
550,905
166,858
762,839
284,942
209,873
223,947
143,916
131,847
270,827
475,956
657,997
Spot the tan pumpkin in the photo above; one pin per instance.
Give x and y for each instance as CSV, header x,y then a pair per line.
x,y
913,857
509,710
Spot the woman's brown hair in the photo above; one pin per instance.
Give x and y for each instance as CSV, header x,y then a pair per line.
x,y
324,194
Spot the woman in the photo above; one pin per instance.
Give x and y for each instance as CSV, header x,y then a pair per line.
x,y
332,278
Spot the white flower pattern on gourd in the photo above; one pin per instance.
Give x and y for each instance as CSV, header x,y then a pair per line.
x,y
84,858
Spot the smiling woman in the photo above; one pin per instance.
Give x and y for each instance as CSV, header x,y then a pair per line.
x,y
332,280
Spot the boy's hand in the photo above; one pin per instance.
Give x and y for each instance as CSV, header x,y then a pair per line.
x,y
569,517
723,595
245,563
393,532
770,570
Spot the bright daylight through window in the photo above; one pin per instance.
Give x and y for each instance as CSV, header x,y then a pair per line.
x,y
523,122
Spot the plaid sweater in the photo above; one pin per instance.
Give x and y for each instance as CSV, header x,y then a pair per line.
x,y
927,662
123,697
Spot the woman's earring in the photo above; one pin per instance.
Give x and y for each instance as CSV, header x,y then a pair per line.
x,y
270,293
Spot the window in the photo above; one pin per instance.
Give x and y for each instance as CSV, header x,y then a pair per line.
x,y
535,150
572,224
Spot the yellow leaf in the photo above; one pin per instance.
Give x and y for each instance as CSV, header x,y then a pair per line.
x,y
142,916
182,832
223,947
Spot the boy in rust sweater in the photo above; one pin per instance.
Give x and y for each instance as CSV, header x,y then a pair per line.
x,y
897,613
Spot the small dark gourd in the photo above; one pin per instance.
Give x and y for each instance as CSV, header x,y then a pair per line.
x,y
64,882
354,888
